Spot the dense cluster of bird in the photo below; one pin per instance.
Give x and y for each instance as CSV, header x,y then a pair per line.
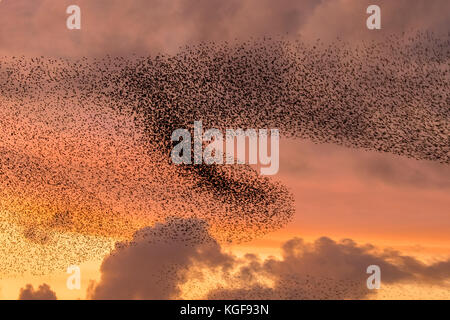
x,y
85,144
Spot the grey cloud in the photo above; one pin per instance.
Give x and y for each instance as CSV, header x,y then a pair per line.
x,y
44,292
156,264
326,269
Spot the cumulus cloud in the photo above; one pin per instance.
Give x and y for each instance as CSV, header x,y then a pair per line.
x,y
156,266
326,269
155,262
44,292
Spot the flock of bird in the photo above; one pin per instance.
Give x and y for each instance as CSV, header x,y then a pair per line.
x,y
85,144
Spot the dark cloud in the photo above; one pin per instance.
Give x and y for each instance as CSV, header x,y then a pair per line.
x,y
327,269
42,293
157,263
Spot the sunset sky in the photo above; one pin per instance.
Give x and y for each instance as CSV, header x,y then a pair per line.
x,y
398,204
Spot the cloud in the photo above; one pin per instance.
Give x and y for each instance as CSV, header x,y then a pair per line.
x,y
346,19
156,265
42,293
404,172
322,161
326,269
143,26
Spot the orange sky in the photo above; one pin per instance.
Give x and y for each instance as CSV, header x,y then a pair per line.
x,y
386,200
337,198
